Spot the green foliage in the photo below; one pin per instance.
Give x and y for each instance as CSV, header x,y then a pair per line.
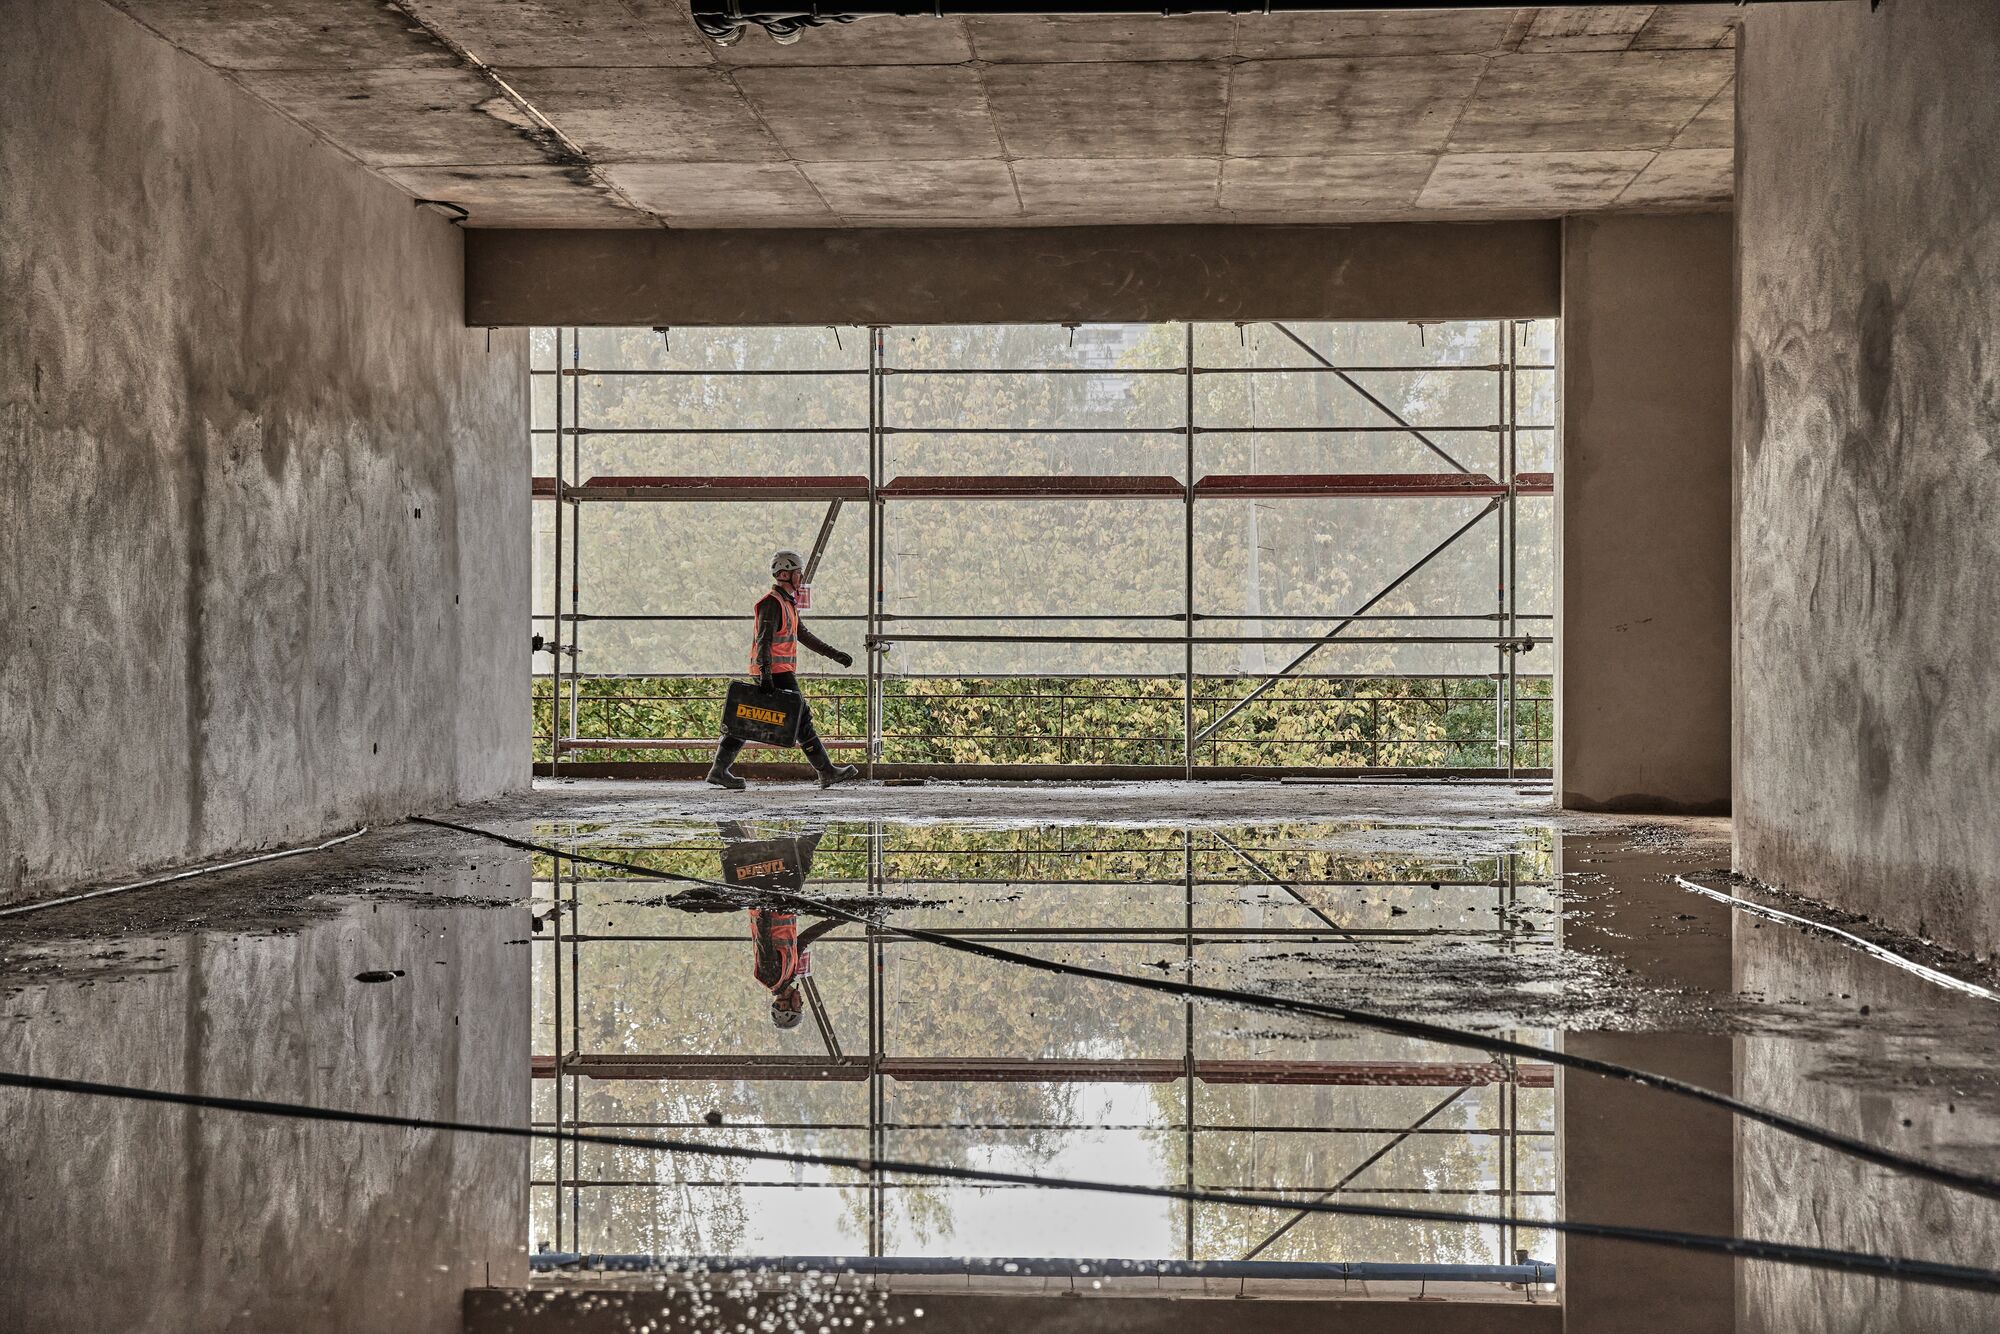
x,y
1411,722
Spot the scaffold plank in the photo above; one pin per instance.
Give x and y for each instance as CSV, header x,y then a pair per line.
x,y
1281,486
684,743
722,488
1031,488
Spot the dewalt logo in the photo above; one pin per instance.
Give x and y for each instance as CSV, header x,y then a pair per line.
x,y
760,869
757,715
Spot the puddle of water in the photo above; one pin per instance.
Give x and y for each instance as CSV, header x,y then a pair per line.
x,y
593,1001
915,1053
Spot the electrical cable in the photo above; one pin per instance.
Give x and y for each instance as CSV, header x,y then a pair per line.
x,y
1749,1248
1970,1182
1868,947
39,904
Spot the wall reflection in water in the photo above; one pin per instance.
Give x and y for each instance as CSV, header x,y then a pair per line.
x,y
1916,1073
131,1216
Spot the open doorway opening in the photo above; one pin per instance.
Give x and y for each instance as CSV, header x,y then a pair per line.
x,y
1205,549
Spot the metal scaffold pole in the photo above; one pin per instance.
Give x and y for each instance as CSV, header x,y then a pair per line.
x,y
555,598
556,968
576,526
877,1032
1188,1108
1512,478
1500,544
1187,585
873,710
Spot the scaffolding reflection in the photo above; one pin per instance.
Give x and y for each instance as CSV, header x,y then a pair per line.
x,y
654,1012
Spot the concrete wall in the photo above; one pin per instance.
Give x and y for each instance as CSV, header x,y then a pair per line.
x,y
263,527
961,275
1868,475
1643,496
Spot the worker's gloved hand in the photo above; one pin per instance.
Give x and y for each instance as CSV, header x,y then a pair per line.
x,y
764,681
844,659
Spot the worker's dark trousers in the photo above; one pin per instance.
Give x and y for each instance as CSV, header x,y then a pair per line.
x,y
809,742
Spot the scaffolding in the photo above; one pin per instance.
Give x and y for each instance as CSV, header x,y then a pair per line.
x,y
855,707
880,1072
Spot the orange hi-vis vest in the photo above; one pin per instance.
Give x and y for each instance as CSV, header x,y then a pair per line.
x,y
784,644
780,962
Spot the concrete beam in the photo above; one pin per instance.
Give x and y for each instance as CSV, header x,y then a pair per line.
x,y
1432,271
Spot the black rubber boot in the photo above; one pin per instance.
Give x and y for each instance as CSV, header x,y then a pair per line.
x,y
718,772
829,772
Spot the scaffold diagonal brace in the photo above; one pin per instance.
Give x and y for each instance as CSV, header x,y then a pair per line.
x,y
1355,1171
1285,885
1334,633
1377,403
819,543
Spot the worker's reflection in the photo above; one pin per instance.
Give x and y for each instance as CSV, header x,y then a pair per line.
x,y
783,964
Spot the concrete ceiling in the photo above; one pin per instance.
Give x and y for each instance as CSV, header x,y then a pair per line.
x,y
618,113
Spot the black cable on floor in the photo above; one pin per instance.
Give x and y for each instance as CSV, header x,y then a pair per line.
x,y
1747,1248
1971,1182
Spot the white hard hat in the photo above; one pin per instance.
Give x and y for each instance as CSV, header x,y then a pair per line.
x,y
787,560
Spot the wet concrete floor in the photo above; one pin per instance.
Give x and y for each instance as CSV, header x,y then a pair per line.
x,y
424,973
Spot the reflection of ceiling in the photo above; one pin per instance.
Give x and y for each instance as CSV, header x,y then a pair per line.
x,y
617,113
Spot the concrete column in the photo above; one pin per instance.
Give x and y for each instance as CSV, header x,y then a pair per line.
x,y
1643,502
1868,413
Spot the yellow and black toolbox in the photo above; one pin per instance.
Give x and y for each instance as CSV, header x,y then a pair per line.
x,y
755,714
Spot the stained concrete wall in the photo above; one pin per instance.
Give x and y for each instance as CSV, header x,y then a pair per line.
x,y
1868,415
966,275
263,556
1643,495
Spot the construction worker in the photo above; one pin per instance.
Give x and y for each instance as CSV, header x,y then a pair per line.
x,y
779,863
774,654
782,964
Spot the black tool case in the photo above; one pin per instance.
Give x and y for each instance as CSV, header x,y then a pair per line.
x,y
755,714
766,863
